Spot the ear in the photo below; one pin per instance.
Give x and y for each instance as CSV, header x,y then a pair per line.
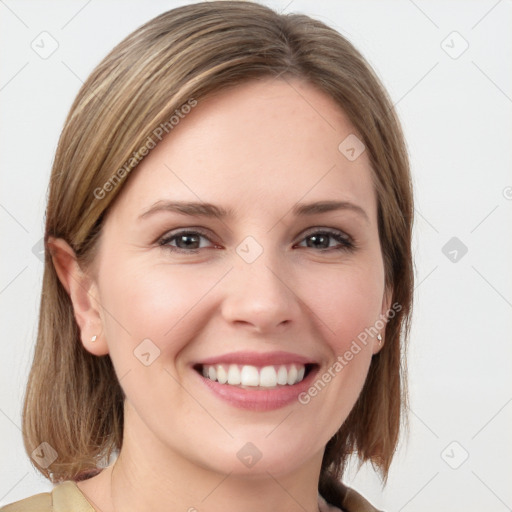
x,y
83,293
386,305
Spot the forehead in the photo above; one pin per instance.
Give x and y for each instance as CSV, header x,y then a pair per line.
x,y
267,144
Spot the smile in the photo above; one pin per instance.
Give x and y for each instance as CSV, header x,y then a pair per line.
x,y
256,381
253,376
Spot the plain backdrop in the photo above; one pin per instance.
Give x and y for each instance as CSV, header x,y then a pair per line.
x,y
446,65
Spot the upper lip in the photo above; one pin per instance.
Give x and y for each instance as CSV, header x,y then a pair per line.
x,y
257,359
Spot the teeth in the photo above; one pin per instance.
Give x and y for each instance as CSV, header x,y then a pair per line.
x,y
234,375
249,376
222,375
282,375
292,375
268,377
246,375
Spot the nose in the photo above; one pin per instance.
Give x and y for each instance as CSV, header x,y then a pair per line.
x,y
260,295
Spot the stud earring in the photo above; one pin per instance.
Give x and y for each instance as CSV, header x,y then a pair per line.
x,y
379,338
93,339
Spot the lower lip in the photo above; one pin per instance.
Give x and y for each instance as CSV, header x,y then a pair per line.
x,y
259,399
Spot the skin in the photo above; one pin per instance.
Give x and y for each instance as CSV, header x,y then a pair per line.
x,y
259,149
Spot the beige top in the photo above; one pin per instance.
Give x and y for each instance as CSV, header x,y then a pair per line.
x,y
67,497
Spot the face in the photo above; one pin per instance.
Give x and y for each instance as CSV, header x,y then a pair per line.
x,y
264,295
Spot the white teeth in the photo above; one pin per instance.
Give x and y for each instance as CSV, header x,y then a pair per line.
x,y
292,375
268,377
247,375
233,375
282,375
222,376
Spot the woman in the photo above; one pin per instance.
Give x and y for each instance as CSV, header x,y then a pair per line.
x,y
228,277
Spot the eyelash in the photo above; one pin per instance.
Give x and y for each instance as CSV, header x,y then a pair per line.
x,y
347,244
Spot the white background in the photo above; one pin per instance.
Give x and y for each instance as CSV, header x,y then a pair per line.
x,y
456,113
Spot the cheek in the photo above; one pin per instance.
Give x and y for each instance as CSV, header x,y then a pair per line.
x,y
155,301
348,303
151,314
346,309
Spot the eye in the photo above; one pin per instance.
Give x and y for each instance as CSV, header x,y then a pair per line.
x,y
320,239
189,241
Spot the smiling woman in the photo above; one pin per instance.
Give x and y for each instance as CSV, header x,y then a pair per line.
x,y
227,318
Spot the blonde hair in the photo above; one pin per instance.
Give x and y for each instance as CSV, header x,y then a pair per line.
x,y
73,399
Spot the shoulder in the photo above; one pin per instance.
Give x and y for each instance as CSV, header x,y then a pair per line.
x,y
37,503
64,497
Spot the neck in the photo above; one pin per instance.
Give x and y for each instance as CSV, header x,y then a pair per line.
x,y
149,476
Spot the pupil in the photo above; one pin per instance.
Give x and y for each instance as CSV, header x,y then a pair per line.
x,y
187,238
318,237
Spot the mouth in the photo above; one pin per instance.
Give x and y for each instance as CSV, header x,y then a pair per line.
x,y
255,377
256,381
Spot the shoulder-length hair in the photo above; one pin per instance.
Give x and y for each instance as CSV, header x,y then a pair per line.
x,y
73,399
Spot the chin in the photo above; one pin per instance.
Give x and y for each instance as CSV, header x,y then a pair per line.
x,y
258,458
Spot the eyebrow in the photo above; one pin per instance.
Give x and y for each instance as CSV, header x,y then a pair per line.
x,y
200,209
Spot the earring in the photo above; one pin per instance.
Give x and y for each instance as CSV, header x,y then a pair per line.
x,y
93,339
379,338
